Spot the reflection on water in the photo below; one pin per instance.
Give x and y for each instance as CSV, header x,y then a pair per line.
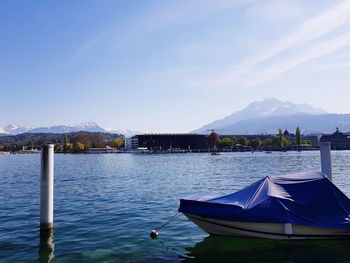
x,y
228,249
46,246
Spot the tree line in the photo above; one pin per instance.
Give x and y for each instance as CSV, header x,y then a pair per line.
x,y
70,142
278,140
83,141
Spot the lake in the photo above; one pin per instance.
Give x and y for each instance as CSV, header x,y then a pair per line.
x,y
106,205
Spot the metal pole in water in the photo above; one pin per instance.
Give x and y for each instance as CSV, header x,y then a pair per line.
x,y
46,189
326,163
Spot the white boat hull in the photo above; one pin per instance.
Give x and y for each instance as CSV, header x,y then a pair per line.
x,y
266,230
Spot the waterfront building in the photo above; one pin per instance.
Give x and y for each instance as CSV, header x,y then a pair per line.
x,y
170,142
338,140
132,142
173,142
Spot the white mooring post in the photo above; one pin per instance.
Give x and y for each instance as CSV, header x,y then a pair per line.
x,y
46,188
326,162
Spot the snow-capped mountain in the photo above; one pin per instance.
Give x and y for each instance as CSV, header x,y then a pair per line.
x,y
15,129
274,107
85,126
269,107
89,126
126,132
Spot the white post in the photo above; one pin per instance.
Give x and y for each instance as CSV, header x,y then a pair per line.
x,y
326,163
46,188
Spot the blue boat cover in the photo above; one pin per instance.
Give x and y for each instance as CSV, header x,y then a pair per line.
x,y
307,198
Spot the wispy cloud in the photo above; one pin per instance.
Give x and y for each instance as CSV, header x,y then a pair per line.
x,y
174,13
331,66
316,51
158,17
87,45
315,28
275,11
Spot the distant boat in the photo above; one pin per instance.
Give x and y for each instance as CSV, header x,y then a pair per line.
x,y
215,153
268,152
296,206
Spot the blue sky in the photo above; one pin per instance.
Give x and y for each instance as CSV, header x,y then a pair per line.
x,y
168,66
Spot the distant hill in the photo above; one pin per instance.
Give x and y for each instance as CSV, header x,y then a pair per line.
x,y
264,116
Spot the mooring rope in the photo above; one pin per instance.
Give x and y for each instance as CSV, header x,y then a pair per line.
x,y
169,221
155,232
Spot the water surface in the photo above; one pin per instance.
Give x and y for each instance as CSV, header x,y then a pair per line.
x,y
106,205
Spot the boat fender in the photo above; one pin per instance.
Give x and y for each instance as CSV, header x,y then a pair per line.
x,y
288,229
154,234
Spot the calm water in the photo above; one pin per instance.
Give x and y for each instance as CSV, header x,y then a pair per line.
x,y
106,205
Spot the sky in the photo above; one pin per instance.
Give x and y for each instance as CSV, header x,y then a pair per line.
x,y
168,66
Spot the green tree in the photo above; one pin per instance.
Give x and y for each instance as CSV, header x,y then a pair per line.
x,y
69,147
78,147
242,141
225,142
255,143
307,143
285,142
90,140
65,142
280,137
298,135
267,142
118,143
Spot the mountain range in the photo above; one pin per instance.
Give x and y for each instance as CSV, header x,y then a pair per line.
x,y
259,117
268,115
85,126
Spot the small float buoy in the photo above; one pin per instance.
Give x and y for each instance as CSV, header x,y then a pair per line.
x,y
154,234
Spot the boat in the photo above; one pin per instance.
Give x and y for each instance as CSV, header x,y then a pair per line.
x,y
303,205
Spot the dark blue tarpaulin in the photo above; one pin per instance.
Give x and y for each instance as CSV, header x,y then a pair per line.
x,y
307,198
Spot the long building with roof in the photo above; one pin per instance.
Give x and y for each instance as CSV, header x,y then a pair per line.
x,y
170,141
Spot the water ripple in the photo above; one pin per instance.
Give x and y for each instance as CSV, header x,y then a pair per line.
x,y
105,205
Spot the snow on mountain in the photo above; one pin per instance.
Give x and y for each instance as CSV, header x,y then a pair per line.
x,y
89,126
126,132
53,129
16,129
85,126
261,109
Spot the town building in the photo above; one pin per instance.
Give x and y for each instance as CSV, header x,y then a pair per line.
x,y
338,140
132,142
